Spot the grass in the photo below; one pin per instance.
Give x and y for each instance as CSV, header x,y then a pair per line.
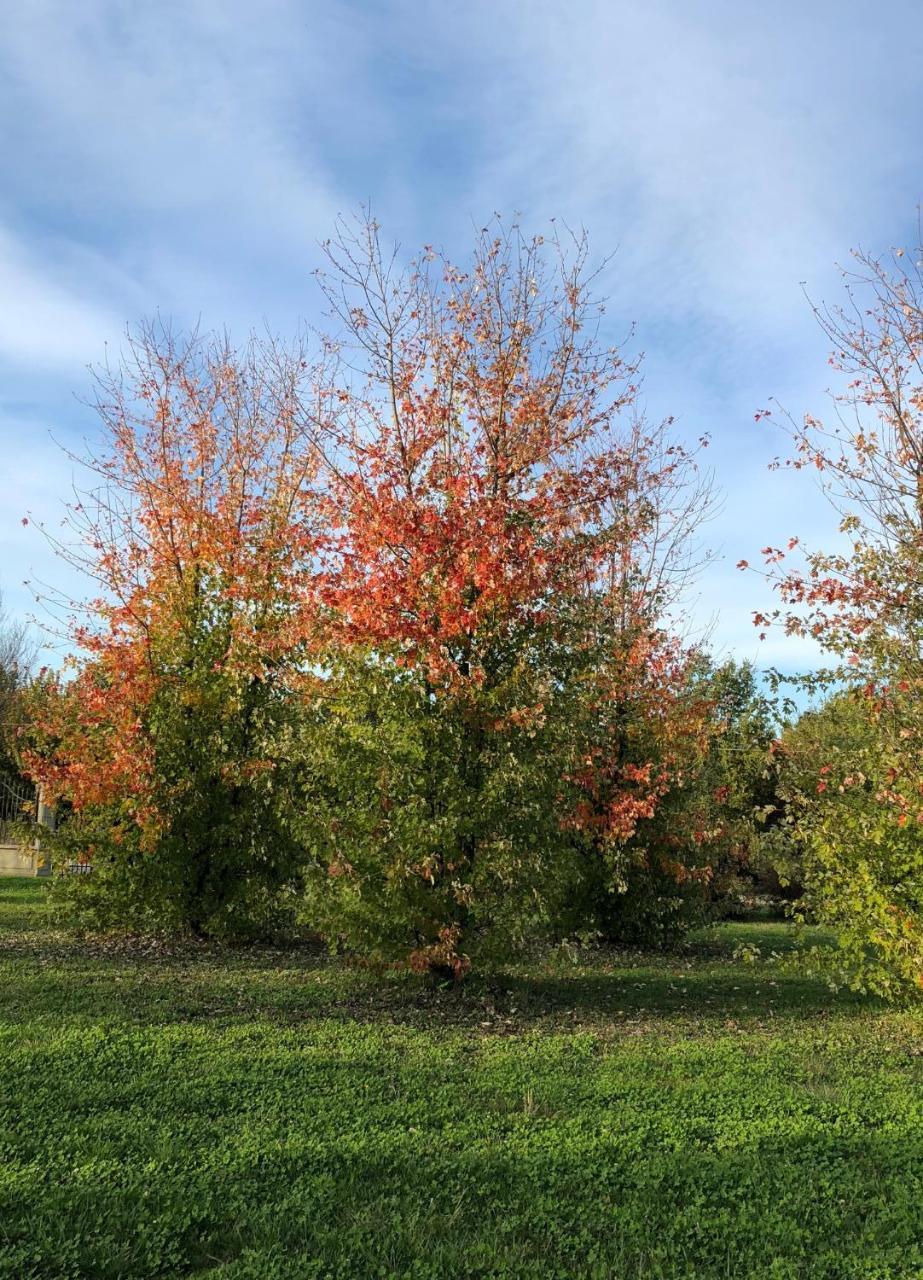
x,y
267,1114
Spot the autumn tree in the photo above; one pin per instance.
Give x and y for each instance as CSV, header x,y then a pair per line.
x,y
167,732
704,842
864,603
495,590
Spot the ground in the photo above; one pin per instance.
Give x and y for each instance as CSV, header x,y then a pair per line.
x,y
270,1114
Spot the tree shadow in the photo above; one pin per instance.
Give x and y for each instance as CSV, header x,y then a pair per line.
x,y
62,978
683,996
739,973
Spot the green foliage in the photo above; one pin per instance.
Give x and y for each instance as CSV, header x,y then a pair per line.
x,y
862,869
221,857
251,1114
223,759
708,829
732,792
431,817
651,908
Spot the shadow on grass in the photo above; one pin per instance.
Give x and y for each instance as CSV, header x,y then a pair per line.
x,y
52,974
734,996
68,981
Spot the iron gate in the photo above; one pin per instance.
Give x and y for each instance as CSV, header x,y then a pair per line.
x,y
17,805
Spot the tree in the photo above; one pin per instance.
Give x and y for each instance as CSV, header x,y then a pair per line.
x,y
17,661
864,604
505,547
712,730
167,733
860,868
737,787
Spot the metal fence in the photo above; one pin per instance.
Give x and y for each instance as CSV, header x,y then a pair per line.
x,y
18,804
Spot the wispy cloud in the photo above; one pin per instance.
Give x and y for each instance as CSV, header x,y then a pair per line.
x,y
48,321
188,156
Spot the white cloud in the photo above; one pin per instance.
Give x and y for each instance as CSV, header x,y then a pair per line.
x,y
44,322
188,155
192,112
37,480
176,148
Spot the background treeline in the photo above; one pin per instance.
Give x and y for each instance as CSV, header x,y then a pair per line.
x,y
385,639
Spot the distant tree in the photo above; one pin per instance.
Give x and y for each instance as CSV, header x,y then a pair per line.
x,y
738,783
705,837
838,729
18,652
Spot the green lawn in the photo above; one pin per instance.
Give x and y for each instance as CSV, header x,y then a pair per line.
x,y
268,1114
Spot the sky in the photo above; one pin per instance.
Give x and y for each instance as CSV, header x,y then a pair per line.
x,y
188,157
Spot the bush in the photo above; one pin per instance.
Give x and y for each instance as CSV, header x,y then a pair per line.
x,y
860,864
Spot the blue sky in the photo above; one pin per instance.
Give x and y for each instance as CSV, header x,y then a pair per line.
x,y
188,156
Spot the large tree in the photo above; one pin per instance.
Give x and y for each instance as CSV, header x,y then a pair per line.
x,y
510,533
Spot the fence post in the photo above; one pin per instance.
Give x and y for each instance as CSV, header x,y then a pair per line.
x,y
44,817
